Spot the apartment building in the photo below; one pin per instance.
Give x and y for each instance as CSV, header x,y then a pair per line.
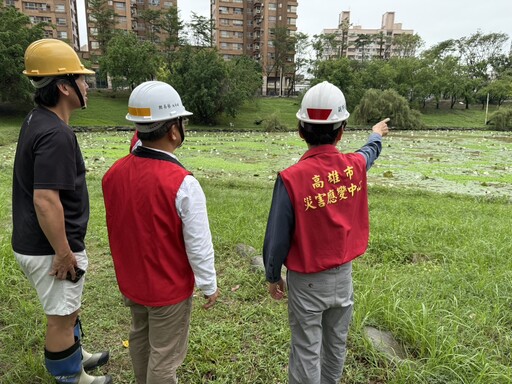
x,y
358,43
128,16
246,27
62,14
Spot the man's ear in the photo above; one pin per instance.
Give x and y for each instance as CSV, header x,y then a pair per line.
x,y
63,88
173,132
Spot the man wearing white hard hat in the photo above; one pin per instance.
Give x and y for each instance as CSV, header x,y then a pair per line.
x,y
318,223
159,234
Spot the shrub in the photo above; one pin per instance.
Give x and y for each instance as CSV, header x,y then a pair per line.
x,y
502,119
376,105
274,124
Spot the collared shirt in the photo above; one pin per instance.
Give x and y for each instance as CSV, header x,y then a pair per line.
x,y
281,220
191,207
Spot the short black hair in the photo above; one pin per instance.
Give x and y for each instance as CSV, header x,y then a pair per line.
x,y
319,134
49,95
158,133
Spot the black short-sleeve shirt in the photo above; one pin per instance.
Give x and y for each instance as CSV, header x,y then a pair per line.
x,y
48,157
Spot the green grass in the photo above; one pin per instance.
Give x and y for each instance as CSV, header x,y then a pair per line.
x,y
437,272
456,118
108,109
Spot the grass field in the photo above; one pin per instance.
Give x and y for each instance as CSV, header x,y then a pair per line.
x,y
108,109
437,273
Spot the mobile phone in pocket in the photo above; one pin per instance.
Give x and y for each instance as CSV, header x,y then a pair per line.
x,y
79,272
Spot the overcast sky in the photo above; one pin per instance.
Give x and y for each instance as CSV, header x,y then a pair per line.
x,y
433,20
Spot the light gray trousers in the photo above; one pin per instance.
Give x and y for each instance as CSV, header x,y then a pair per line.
x,y
319,312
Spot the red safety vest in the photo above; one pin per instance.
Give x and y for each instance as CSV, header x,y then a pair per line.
x,y
328,191
145,231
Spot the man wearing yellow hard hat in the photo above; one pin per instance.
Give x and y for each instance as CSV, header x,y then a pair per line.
x,y
50,207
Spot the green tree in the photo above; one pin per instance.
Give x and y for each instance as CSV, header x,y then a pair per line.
x,y
326,46
283,62
363,40
498,90
406,45
102,16
209,85
129,61
199,76
173,26
479,50
377,105
243,83
151,20
384,43
16,34
345,74
301,59
502,119
201,29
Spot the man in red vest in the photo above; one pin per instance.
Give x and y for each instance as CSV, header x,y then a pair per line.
x,y
159,234
318,223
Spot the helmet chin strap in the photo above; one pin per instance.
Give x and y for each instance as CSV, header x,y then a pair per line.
x,y
77,90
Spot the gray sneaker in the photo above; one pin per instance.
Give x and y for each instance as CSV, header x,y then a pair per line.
x,y
92,361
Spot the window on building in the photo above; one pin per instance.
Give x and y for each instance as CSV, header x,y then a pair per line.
x,y
238,23
272,19
62,35
224,21
292,21
225,34
35,6
272,6
292,9
120,6
238,11
223,10
238,47
154,3
121,19
40,19
167,4
95,45
10,2
61,21
93,31
224,45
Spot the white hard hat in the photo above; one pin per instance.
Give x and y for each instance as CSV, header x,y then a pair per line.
x,y
154,101
323,103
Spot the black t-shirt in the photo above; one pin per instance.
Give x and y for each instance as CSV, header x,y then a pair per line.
x,y
48,157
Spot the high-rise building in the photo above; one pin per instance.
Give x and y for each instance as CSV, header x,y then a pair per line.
x,y
248,27
356,42
60,13
128,15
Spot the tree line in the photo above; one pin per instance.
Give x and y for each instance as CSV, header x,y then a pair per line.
x,y
470,70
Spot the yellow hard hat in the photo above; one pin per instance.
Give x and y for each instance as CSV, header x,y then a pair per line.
x,y
52,57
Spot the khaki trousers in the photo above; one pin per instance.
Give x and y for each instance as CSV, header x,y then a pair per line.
x,y
158,340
